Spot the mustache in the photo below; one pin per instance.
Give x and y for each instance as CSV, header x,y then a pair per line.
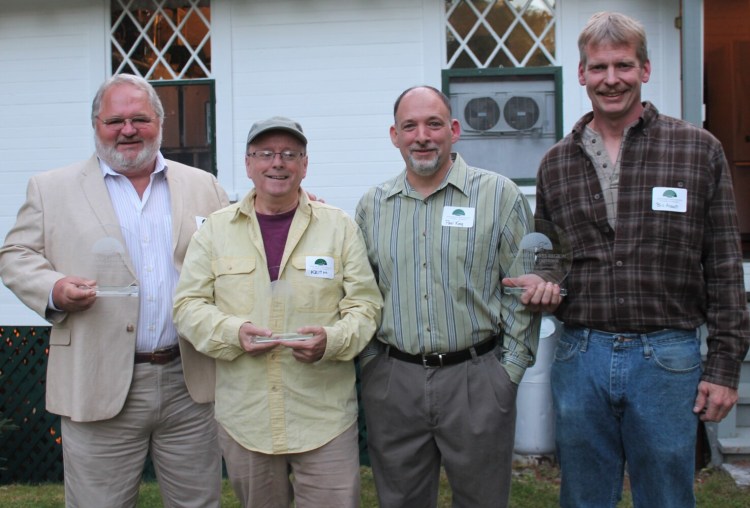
x,y
615,90
131,139
429,146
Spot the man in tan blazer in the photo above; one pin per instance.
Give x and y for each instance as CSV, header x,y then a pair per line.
x,y
115,371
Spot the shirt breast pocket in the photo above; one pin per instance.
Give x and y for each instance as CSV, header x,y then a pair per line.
x,y
234,287
316,293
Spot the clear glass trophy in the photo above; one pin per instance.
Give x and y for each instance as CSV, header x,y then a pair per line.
x,y
545,252
108,258
283,337
281,292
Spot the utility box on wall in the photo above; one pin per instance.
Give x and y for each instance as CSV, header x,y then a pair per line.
x,y
509,117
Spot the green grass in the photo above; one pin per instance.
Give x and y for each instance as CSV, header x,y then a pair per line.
x,y
533,487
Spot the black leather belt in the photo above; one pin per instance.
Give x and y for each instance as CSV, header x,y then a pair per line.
x,y
444,359
160,356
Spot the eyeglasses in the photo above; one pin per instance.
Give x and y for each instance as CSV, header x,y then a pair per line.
x,y
268,155
116,123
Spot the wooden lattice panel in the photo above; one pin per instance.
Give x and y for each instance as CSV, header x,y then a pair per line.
x,y
33,451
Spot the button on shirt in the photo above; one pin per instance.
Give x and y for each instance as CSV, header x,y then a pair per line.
x,y
441,283
608,171
272,403
658,269
146,226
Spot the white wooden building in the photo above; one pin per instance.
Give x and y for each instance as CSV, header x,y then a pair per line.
x,y
336,66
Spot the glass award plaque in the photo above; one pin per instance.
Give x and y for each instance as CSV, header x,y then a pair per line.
x,y
108,258
281,303
546,253
283,337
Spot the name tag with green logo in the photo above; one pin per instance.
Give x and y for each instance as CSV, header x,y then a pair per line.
x,y
319,266
669,199
458,217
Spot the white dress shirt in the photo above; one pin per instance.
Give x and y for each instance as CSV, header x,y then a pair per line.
x,y
146,225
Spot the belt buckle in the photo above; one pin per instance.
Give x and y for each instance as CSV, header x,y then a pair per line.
x,y
163,355
439,356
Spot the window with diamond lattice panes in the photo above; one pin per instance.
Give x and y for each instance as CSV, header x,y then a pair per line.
x,y
161,39
168,42
499,33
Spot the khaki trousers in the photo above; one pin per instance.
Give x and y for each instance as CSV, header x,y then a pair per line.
x,y
325,477
104,460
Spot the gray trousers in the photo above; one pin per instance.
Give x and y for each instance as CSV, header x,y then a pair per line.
x,y
103,461
462,416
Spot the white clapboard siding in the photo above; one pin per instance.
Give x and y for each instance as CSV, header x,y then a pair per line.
x,y
52,59
336,66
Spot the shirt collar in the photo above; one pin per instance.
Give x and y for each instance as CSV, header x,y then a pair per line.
x,y
160,166
456,176
246,206
648,117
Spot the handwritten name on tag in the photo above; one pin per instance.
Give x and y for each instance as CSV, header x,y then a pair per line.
x,y
669,199
319,266
458,217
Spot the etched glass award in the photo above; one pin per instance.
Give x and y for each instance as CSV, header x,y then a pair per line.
x,y
545,252
283,337
109,262
281,302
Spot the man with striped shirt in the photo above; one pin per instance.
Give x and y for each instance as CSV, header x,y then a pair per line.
x,y
439,380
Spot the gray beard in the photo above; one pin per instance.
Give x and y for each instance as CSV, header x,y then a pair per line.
x,y
424,168
119,163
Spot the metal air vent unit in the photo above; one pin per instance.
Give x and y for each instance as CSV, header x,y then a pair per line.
x,y
501,112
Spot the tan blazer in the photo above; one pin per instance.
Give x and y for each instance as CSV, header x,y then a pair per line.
x,y
91,352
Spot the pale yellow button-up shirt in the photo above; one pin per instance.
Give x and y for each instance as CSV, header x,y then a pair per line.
x,y
272,403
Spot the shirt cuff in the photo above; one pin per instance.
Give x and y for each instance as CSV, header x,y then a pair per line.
x,y
722,371
51,304
514,372
371,350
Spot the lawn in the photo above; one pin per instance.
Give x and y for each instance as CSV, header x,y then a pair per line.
x,y
533,487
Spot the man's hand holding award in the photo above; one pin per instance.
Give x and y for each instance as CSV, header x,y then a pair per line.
x,y
543,256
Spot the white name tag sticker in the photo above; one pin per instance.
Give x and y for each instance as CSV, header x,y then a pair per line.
x,y
458,217
199,221
669,199
319,266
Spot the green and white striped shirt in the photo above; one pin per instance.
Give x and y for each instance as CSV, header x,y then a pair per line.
x,y
439,262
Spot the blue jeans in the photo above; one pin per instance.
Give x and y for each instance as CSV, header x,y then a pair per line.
x,y
626,398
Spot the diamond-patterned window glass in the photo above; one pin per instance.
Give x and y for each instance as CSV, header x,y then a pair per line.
x,y
161,39
499,33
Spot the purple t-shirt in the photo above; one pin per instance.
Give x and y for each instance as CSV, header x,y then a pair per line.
x,y
274,229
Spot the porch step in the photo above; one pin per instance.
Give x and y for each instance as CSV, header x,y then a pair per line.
x,y
739,472
737,447
743,390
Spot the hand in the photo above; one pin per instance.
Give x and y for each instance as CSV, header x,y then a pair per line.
x,y
313,197
247,334
74,294
538,295
310,350
714,401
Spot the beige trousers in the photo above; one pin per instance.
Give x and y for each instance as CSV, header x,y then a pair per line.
x,y
325,477
103,461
